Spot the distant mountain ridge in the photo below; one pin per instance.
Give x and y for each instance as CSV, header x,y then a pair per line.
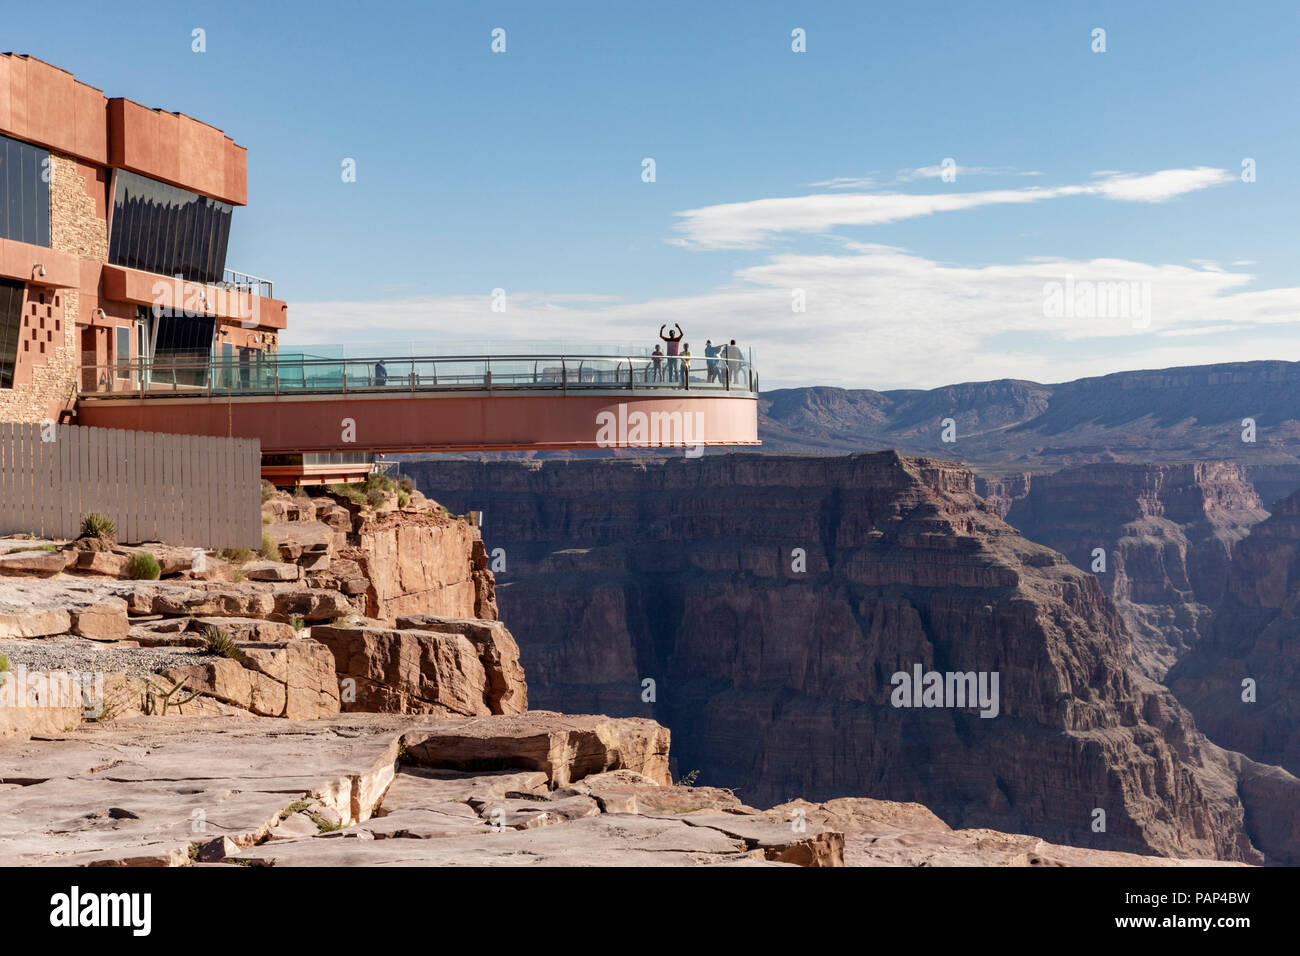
x,y
1177,414
1008,428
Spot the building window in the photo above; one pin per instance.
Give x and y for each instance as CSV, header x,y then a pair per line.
x,y
181,349
11,325
24,192
123,348
167,230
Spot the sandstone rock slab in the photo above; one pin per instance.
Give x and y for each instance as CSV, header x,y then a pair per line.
x,y
507,690
36,564
565,747
408,672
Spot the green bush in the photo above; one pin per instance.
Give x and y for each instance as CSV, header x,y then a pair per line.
x,y
270,550
406,484
269,490
97,526
235,555
352,492
300,491
376,498
218,642
403,499
143,566
297,623
376,481
295,807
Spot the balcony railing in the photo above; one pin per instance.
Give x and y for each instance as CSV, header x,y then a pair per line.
x,y
288,375
243,282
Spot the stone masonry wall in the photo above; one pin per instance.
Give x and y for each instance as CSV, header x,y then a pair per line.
x,y
48,352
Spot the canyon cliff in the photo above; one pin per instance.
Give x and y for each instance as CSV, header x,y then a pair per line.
x,y
760,605
1165,533
1256,638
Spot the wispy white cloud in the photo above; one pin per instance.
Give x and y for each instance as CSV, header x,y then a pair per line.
x,y
874,180
936,172
753,223
846,182
1161,186
877,316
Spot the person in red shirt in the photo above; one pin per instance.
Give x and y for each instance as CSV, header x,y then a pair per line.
x,y
672,341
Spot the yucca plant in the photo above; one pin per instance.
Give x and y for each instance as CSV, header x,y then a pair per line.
x,y
218,642
97,526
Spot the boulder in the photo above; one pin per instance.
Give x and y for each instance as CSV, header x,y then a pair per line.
x,y
565,747
23,622
105,620
298,538
336,517
295,680
309,604
108,563
305,668
407,671
288,508
214,851
232,600
272,571
33,564
245,629
507,691
293,826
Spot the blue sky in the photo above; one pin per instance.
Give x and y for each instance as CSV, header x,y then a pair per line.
x,y
522,171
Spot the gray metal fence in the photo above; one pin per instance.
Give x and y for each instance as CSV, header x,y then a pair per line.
x,y
184,490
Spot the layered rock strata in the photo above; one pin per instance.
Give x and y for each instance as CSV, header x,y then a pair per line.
x,y
760,606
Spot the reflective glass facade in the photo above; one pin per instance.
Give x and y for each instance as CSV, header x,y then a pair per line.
x,y
182,347
167,230
11,324
24,192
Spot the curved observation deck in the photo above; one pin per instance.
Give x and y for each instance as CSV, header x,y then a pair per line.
x,y
301,404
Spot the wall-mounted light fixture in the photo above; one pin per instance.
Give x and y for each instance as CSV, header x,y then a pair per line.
x,y
100,313
38,270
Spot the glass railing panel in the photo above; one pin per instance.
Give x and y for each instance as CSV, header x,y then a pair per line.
x,y
297,372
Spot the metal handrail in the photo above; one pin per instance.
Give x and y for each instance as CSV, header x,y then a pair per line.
x,y
247,282
229,376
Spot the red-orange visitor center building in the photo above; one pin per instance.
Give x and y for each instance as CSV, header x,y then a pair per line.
x,y
117,309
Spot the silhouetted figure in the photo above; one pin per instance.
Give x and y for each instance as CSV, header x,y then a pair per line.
x,y
381,373
711,359
733,362
672,341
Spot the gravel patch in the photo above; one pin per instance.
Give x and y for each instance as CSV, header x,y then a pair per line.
x,y
79,654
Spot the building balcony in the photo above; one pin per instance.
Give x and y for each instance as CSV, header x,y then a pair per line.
x,y
237,298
